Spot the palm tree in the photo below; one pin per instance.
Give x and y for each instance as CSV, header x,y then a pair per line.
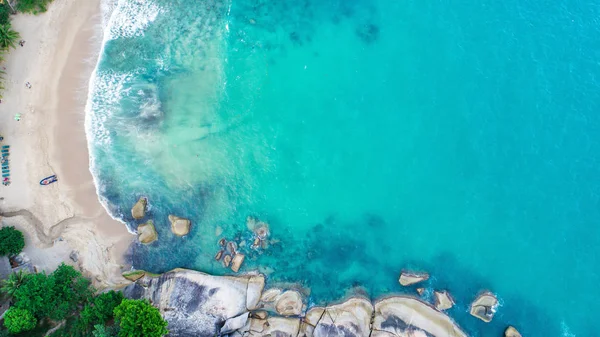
x,y
8,36
10,5
13,282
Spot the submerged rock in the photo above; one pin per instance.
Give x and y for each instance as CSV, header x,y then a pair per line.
x,y
226,260
179,226
237,261
138,211
407,316
289,303
409,278
484,307
420,291
511,332
443,300
147,233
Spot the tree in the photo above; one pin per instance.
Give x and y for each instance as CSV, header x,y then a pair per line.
x,y
17,320
101,308
13,282
104,331
69,290
33,6
8,37
11,240
36,295
138,318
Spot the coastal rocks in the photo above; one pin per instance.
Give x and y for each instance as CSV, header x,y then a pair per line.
x,y
179,226
138,211
443,300
289,303
420,291
194,303
237,261
256,284
274,326
409,278
407,316
350,318
261,232
235,323
134,275
511,332
74,256
484,307
147,233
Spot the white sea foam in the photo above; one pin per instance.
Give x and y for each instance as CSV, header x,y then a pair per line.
x,y
131,17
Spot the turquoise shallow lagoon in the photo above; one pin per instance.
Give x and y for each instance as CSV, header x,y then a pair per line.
x,y
455,137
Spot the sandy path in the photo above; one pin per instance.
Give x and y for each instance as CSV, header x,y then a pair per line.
x,y
59,55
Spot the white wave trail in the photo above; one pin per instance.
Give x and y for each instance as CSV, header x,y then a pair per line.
x,y
121,19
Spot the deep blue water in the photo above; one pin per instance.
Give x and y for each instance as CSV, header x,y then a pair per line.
x,y
455,137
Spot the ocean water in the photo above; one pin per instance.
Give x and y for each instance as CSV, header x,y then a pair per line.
x,y
461,138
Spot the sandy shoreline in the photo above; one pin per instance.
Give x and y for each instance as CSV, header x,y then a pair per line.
x,y
61,50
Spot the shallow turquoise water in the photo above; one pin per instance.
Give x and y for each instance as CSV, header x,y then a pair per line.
x,y
460,138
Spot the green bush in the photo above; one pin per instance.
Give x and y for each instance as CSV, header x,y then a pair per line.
x,y
36,295
100,309
69,290
11,241
5,12
138,318
13,282
104,331
33,6
17,320
8,37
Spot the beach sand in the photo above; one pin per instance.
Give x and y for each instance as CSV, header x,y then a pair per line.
x,y
61,50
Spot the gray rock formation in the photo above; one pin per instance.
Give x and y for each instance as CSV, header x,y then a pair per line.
x,y
408,278
138,211
179,226
484,306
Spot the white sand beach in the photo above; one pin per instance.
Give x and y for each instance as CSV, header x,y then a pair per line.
x,y
60,52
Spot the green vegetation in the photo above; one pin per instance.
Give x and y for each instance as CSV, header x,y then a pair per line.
x,y
138,318
19,320
41,301
11,241
8,37
33,6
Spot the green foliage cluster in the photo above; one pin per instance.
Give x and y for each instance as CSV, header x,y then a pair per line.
x,y
138,318
11,240
33,6
17,320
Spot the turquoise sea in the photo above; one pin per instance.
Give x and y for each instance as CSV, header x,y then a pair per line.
x,y
457,137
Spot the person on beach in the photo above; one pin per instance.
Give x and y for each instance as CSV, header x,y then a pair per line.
x,y
28,85
22,43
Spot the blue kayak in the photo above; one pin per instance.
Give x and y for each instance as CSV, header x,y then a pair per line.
x,y
48,180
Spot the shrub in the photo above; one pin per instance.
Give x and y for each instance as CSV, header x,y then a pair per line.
x,y
13,282
11,241
17,320
69,290
138,318
36,295
101,308
33,6
8,37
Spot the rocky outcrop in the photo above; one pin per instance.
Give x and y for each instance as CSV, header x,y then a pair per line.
x,y
198,304
511,332
443,300
237,261
420,291
138,211
407,316
147,233
179,226
484,306
408,278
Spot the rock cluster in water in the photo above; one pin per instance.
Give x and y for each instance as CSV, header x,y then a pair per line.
x,y
179,226
147,233
138,211
484,306
198,304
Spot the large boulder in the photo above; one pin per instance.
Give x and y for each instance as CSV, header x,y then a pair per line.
x,y
179,226
138,211
484,306
147,233
409,278
443,300
407,316
289,303
194,303
351,318
511,332
276,327
256,284
237,261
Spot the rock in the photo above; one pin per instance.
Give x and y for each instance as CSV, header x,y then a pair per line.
x,y
484,307
420,291
134,275
261,314
226,260
218,231
138,211
306,330
404,316
350,318
74,256
277,327
511,332
194,303
256,284
222,242
237,261
289,303
235,323
409,278
270,295
232,247
179,226
443,300
219,255
313,315
147,233
262,230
